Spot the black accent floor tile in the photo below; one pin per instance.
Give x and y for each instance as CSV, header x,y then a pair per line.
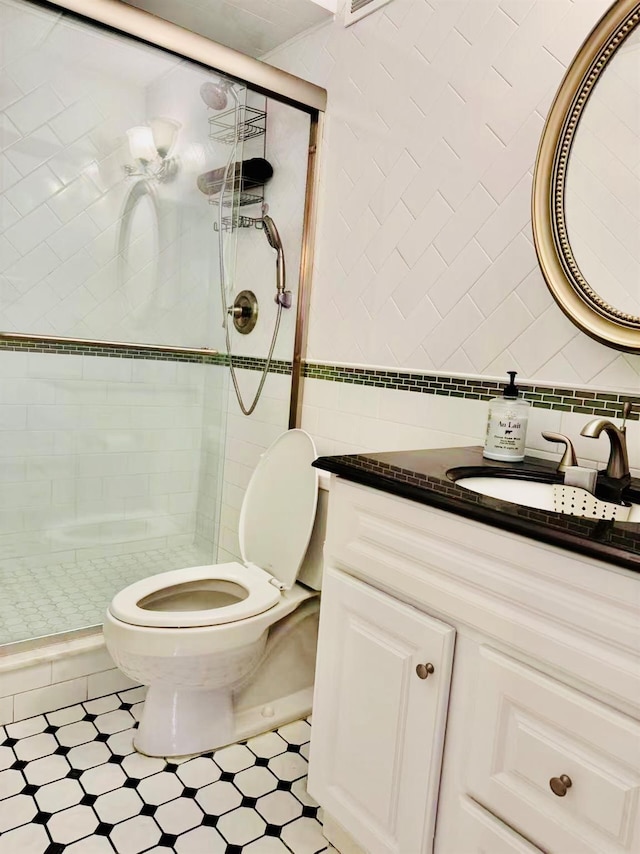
x,y
272,830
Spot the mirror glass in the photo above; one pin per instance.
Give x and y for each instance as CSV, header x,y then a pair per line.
x,y
586,186
602,190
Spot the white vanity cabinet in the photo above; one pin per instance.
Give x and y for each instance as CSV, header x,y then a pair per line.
x,y
382,687
541,734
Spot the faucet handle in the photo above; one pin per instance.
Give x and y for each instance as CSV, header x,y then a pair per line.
x,y
569,457
626,412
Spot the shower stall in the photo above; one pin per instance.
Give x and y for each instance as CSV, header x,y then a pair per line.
x,y
128,228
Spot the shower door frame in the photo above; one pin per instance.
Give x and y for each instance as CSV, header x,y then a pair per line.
x,y
264,79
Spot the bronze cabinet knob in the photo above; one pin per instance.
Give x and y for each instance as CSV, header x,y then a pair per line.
x,y
559,785
423,670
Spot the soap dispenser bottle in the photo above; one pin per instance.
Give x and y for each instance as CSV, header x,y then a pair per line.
x,y
507,425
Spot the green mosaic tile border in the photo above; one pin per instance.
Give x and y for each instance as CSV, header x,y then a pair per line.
x,y
250,363
584,401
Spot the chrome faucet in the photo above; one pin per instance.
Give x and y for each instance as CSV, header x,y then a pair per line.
x,y
618,464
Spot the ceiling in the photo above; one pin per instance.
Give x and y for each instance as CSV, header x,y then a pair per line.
x,y
253,27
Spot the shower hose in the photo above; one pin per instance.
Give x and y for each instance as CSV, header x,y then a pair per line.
x,y
246,410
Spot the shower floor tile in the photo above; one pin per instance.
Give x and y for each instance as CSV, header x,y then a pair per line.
x,y
46,600
80,788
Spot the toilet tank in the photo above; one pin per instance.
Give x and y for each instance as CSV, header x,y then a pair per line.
x,y
311,570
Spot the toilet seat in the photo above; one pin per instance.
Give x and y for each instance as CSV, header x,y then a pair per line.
x,y
261,595
276,520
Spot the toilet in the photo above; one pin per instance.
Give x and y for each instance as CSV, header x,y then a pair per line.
x,y
228,650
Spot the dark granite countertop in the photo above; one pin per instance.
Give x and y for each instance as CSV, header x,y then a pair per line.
x,y
422,476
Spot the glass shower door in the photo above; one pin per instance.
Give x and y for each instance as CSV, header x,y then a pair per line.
x,y
109,456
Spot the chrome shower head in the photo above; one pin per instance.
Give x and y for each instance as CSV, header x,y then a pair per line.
x,y
216,95
272,233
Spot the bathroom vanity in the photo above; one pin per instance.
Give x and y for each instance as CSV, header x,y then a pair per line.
x,y
478,677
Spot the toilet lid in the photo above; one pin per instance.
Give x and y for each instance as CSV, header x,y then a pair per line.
x,y
279,507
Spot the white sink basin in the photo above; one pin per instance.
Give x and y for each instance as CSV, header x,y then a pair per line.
x,y
528,493
531,493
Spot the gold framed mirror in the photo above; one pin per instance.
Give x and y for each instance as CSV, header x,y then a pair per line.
x,y
586,185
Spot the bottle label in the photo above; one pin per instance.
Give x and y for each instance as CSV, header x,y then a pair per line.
x,y
506,434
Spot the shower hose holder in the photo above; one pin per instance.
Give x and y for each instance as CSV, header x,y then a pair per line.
x,y
284,298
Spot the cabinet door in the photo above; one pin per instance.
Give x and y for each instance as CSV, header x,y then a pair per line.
x,y
378,728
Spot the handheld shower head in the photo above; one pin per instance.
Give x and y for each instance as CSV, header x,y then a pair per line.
x,y
272,233
283,297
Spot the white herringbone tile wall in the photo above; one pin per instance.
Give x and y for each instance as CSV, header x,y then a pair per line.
x,y
74,259
425,256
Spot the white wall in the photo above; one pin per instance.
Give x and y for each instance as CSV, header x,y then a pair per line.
x,y
424,256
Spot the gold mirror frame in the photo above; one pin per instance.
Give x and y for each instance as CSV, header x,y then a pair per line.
x,y
575,296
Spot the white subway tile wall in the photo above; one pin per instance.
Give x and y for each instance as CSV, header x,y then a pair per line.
x,y
103,472
246,440
424,256
50,678
349,419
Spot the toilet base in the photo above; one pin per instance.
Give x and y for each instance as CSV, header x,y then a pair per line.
x,y
179,722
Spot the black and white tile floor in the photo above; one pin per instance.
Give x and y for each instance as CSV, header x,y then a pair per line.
x,y
70,781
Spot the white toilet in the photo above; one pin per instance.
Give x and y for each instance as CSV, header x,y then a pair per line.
x,y
228,650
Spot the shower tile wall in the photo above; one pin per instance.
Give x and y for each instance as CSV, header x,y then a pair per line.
x,y
212,458
69,93
247,439
99,457
286,148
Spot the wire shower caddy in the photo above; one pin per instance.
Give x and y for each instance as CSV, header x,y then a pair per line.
x,y
230,128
